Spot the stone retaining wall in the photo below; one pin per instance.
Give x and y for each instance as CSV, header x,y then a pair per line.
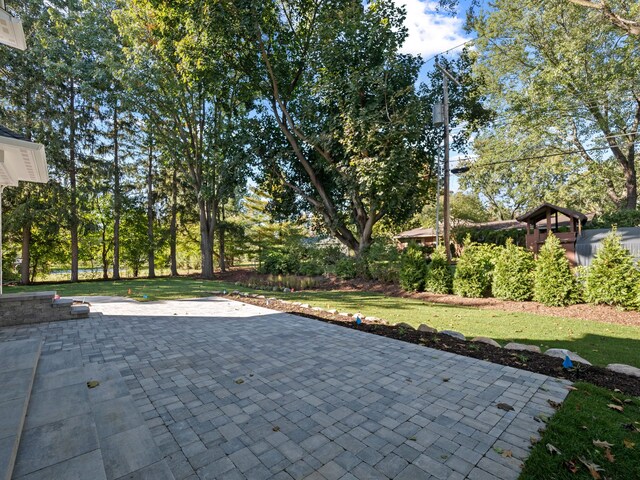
x,y
36,307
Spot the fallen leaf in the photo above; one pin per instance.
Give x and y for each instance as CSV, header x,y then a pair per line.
x,y
569,387
92,383
616,399
628,400
507,454
553,449
584,427
571,466
276,428
504,406
602,444
592,467
239,381
616,407
609,456
533,440
617,390
554,405
628,443
413,439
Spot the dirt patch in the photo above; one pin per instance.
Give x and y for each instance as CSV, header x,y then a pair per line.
x,y
596,313
534,362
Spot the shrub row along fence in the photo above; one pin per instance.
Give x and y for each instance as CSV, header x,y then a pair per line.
x,y
510,272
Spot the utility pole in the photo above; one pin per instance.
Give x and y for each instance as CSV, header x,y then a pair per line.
x,y
446,76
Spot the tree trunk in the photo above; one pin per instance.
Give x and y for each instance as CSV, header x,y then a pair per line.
x,y
117,201
222,260
173,229
26,253
105,251
73,184
206,239
631,180
152,260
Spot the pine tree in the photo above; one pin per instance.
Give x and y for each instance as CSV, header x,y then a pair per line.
x,y
612,278
513,273
554,282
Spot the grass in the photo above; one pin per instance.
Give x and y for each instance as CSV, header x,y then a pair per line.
x,y
600,343
584,417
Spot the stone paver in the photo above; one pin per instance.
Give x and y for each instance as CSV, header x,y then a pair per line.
x,y
229,390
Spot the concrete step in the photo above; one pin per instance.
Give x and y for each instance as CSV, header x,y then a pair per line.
x,y
80,311
62,303
82,423
18,362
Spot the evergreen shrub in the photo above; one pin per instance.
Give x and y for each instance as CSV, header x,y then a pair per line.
x,y
554,282
474,270
612,278
413,268
513,273
438,278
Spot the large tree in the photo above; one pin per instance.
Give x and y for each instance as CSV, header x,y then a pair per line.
x,y
565,85
343,122
195,102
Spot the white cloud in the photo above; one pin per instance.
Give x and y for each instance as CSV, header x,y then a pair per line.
x,y
430,32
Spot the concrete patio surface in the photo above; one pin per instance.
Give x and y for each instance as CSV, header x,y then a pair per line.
x,y
230,390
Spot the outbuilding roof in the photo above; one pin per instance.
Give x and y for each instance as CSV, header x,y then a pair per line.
x,y
540,213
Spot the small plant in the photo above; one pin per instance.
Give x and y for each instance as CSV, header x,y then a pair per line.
x,y
612,278
474,270
438,278
513,273
554,282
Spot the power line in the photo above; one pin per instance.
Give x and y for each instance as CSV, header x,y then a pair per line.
x,y
537,157
444,52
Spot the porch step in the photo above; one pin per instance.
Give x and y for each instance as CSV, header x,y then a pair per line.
x,y
82,423
18,362
38,307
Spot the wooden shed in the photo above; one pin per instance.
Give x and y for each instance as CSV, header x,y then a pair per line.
x,y
566,224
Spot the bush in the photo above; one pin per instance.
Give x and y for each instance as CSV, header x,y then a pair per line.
x,y
554,282
413,268
474,270
278,263
346,268
438,278
612,278
383,262
513,273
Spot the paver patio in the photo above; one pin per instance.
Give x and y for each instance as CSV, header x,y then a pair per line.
x,y
230,390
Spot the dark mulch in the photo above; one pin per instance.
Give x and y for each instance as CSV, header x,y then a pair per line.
x,y
533,362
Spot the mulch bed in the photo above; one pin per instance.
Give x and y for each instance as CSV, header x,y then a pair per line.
x,y
582,311
531,361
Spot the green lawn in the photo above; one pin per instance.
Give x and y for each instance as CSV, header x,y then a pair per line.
x,y
584,417
600,343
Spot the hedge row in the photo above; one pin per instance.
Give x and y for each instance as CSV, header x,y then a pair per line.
x,y
510,272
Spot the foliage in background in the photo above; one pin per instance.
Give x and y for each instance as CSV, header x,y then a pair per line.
x,y
413,268
618,218
513,273
554,282
438,278
563,83
474,270
612,278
